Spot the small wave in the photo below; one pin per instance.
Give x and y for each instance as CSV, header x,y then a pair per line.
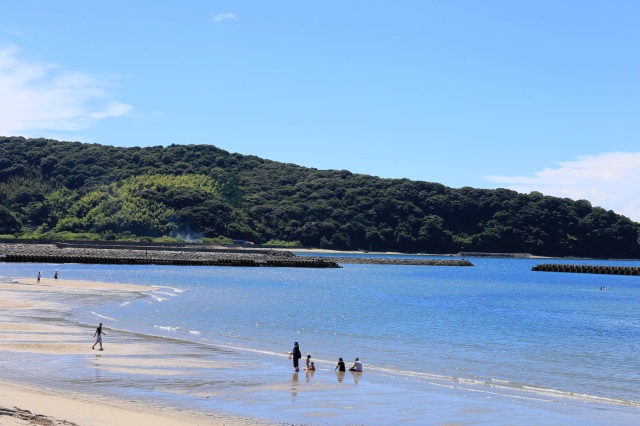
x,y
103,316
125,304
175,290
581,396
167,328
502,387
166,294
156,298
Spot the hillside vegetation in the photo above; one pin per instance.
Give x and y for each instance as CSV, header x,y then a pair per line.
x,y
53,189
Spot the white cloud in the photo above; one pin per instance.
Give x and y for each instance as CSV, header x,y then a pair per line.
x,y
37,97
608,180
224,17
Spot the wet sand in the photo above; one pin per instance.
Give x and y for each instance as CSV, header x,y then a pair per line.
x,y
24,405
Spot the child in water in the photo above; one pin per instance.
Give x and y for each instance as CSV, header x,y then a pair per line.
x,y
308,362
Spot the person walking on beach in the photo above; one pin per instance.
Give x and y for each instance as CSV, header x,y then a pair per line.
x,y
357,366
38,277
296,356
98,335
55,275
340,366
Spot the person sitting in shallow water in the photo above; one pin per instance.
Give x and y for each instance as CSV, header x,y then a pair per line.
x,y
340,366
312,367
308,367
357,366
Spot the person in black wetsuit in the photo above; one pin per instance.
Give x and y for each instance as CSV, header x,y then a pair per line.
x,y
340,366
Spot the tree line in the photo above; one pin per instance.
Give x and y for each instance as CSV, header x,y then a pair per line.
x,y
70,190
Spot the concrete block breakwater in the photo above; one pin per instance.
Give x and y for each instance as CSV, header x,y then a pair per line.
x,y
79,253
401,261
588,269
49,253
291,263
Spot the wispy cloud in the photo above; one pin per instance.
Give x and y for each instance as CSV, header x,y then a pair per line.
x,y
609,180
224,17
38,96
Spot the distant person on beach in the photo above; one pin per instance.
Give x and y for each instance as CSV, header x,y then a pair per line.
x,y
340,366
98,335
38,277
55,275
308,362
312,367
357,366
296,356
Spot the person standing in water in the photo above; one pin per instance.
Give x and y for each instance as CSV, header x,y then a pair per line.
x,y
55,275
296,356
98,335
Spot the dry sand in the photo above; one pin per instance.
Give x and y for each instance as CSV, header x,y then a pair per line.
x,y
54,408
22,405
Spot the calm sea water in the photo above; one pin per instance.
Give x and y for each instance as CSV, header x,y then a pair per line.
x,y
496,326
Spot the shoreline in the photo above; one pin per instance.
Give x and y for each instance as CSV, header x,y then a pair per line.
x,y
216,384
22,403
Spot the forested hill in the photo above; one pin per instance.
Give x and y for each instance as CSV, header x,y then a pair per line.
x,y
53,189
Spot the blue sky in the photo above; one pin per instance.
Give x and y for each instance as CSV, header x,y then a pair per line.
x,y
534,96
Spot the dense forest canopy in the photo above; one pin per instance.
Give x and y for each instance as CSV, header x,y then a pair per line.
x,y
52,189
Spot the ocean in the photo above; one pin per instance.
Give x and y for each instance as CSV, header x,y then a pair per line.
x,y
495,343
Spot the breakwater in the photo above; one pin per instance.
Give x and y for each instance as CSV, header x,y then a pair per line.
x,y
52,253
400,261
588,269
291,263
190,256
487,254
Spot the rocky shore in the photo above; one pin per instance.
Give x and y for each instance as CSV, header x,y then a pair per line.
x,y
193,256
30,418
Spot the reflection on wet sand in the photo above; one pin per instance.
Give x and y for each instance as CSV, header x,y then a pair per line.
x,y
294,386
309,374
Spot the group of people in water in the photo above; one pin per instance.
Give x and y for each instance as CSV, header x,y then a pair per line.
x,y
357,366
296,354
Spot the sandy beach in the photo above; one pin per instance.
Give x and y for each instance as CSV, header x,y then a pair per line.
x,y
24,405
